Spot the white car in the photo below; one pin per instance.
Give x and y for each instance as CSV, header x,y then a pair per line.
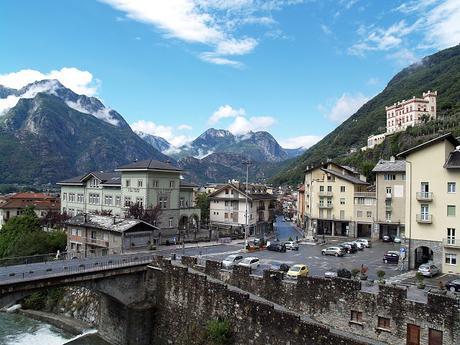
x,y
364,241
360,245
231,260
250,261
291,245
429,270
397,240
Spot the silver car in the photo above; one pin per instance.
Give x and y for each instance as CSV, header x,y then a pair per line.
x,y
429,270
336,251
291,245
231,260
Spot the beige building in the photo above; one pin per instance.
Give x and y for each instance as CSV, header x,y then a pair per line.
x,y
408,113
94,235
390,187
432,206
337,202
147,183
228,209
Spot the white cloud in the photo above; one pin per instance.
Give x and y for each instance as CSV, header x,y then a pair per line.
x,y
166,132
326,29
81,82
242,125
184,127
103,114
209,22
403,57
225,111
304,141
443,25
344,107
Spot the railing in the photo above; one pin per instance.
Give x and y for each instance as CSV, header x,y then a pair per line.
x,y
388,207
388,196
96,241
424,218
325,206
324,193
451,242
365,195
424,196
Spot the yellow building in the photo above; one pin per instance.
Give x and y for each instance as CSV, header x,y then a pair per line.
x,y
337,202
432,215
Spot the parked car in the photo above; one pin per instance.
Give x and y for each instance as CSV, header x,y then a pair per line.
x,y
259,241
387,238
348,248
279,266
250,261
453,285
367,243
429,270
297,271
291,245
360,245
231,260
391,256
330,274
397,239
353,245
343,273
336,251
277,247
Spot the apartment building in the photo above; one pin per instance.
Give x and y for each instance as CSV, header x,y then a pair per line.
x,y
432,205
338,202
95,235
13,205
408,113
147,183
390,187
228,208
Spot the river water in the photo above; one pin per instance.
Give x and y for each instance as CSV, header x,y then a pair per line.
x,y
16,329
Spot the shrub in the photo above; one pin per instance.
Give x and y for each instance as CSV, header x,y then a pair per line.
x,y
219,332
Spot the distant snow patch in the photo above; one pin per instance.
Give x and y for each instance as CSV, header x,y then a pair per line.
x,y
102,114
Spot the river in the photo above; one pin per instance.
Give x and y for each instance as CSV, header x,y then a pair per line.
x,y
17,329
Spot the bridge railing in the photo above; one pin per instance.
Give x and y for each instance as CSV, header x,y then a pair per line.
x,y
25,260
70,267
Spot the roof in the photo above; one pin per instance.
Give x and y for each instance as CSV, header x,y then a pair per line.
x,y
187,184
301,188
252,196
453,161
449,137
50,204
106,178
325,164
31,195
149,164
108,223
390,166
348,178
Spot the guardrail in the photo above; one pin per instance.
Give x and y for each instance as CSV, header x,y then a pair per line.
x,y
41,258
71,267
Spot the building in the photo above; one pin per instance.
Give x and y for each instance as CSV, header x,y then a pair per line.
x,y
408,113
432,215
301,206
228,209
95,235
337,202
13,205
147,183
375,140
390,187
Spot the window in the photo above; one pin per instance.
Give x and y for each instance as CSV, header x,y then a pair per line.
x,y
424,187
171,222
71,197
450,236
342,189
389,177
342,214
321,188
359,214
388,189
74,232
329,188
451,187
226,191
140,201
226,215
424,212
329,201
434,337
117,200
139,183
181,202
163,202
108,199
171,184
93,198
356,316
383,322
451,259
155,184
369,214
451,210
342,201
388,216
403,176
64,196
127,183
127,201
80,198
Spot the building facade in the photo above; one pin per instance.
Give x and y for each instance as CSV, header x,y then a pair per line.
x,y
337,202
147,183
13,205
95,235
228,209
390,187
408,113
432,215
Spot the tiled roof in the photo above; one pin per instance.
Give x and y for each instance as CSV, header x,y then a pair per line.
x,y
187,184
251,196
73,180
149,164
105,178
106,222
31,195
38,204
346,177
390,166
453,161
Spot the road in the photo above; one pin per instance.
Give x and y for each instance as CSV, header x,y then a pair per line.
x,y
286,230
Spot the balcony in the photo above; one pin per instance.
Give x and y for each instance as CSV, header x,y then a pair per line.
x,y
328,206
97,242
388,196
424,196
364,195
388,208
451,242
323,193
424,218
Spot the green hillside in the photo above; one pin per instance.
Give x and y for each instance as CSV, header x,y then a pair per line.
x,y
440,71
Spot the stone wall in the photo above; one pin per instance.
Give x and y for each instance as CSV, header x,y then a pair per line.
x,y
187,301
81,304
330,301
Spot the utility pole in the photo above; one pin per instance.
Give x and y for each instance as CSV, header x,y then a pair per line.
x,y
247,163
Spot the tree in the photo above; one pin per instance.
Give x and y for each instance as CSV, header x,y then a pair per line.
x,y
149,215
202,202
54,219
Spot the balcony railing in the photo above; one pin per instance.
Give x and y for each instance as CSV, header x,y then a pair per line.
x,y
388,207
424,196
97,242
424,218
451,242
324,193
365,195
388,196
325,206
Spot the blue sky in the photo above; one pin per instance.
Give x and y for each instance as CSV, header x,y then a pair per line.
x,y
177,67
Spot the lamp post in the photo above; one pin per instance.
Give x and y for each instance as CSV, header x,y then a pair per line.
x,y
246,163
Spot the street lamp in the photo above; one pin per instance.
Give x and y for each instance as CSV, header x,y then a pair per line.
x,y
246,163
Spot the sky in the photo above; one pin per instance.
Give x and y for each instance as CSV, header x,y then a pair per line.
x,y
174,68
